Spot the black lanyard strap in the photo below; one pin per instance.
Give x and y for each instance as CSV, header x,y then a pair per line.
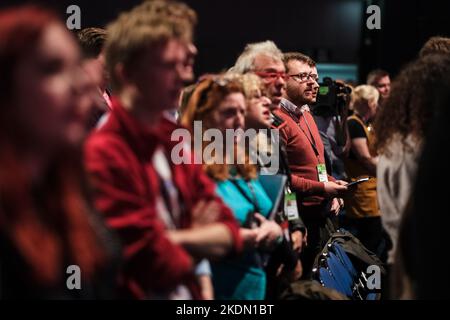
x,y
250,222
253,201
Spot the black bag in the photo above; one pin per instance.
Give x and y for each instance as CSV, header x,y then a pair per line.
x,y
343,264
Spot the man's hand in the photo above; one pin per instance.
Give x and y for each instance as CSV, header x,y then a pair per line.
x,y
334,189
335,206
268,232
341,182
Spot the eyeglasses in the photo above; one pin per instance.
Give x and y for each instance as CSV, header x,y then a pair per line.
x,y
304,76
272,76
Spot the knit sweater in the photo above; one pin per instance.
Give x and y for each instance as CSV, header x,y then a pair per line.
x,y
301,156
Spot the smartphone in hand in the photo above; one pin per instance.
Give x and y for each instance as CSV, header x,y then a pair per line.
x,y
354,183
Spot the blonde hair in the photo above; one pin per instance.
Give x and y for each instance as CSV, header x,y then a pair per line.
x,y
171,9
147,25
245,62
362,95
251,83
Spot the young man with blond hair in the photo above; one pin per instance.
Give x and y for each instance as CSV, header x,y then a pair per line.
x,y
167,216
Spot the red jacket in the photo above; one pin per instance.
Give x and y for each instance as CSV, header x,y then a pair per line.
x,y
302,159
118,159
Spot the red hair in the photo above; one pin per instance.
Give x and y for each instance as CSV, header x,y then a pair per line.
x,y
47,223
206,98
20,30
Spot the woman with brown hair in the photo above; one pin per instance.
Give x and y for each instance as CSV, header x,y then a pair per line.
x,y
219,103
401,126
46,221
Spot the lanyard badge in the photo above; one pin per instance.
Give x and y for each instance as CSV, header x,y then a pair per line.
x,y
322,172
290,205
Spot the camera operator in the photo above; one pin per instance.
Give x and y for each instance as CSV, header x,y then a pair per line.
x,y
330,113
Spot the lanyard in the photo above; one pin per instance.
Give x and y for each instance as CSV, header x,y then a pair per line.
x,y
250,221
311,140
257,257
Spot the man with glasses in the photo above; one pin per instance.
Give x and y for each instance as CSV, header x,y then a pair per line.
x,y
316,190
266,60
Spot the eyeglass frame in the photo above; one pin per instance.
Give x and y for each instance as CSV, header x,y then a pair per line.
x,y
306,76
265,75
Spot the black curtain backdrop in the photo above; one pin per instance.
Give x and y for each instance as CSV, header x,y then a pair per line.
x,y
328,30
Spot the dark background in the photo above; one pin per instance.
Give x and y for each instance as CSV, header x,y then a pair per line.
x,y
331,31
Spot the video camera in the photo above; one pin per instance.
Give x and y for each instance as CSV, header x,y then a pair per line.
x,y
331,98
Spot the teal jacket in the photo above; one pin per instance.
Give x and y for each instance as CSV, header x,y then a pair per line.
x,y
241,278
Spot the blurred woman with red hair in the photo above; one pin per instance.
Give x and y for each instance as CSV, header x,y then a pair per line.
x,y
46,222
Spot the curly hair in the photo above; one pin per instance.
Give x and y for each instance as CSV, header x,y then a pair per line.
x,y
245,62
410,107
435,45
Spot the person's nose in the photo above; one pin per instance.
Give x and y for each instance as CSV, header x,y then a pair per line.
x,y
280,82
315,84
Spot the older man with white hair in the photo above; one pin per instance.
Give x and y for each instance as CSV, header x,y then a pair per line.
x,y
266,60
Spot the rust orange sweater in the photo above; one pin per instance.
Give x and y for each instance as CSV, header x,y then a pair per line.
x,y
302,158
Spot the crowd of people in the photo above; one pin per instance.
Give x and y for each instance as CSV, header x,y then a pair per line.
x,y
88,177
